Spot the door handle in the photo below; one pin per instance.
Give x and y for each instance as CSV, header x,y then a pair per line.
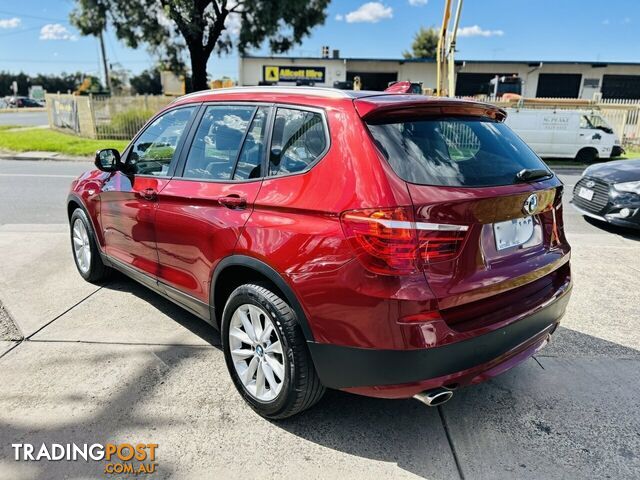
x,y
149,194
233,201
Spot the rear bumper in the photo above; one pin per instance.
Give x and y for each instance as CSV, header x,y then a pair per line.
x,y
401,373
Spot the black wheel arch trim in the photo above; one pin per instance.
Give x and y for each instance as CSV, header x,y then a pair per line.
x,y
73,197
273,276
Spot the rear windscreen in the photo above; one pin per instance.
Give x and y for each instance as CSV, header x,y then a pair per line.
x,y
458,152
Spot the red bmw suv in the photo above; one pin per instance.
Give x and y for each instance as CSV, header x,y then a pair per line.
x,y
384,244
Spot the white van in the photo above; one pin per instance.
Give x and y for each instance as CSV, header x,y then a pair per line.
x,y
583,135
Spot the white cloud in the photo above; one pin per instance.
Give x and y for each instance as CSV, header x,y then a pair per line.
x,y
418,3
339,17
234,24
10,22
55,31
371,12
476,31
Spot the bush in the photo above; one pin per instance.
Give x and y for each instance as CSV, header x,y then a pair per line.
x,y
131,119
125,124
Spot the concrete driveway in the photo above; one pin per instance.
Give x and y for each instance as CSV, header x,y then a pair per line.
x,y
118,363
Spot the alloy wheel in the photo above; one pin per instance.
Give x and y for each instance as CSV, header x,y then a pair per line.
x,y
81,246
256,351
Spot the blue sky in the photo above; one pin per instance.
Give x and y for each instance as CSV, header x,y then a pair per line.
x,y
35,35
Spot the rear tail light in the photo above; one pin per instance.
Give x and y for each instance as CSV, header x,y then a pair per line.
x,y
390,242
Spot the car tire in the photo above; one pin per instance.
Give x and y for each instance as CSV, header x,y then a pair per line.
x,y
251,355
85,250
587,155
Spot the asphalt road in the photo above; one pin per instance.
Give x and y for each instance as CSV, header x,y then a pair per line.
x,y
34,192
119,363
22,117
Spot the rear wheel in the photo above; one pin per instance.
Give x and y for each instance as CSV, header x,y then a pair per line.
x,y
85,250
266,353
587,155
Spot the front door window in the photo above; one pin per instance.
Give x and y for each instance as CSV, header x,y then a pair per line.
x,y
154,150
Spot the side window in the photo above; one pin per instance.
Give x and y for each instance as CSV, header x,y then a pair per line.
x,y
217,142
584,122
154,150
298,140
250,159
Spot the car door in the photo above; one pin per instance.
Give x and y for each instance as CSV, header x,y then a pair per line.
x,y
202,210
591,135
128,198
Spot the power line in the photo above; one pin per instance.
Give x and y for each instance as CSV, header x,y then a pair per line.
x,y
4,12
24,30
67,61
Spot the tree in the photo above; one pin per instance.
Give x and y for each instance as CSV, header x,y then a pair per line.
x,y
201,27
90,84
425,44
51,83
148,82
58,83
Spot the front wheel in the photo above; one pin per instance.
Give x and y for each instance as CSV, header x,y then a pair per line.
x,y
587,155
85,250
266,353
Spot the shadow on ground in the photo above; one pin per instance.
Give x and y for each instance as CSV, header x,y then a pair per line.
x,y
628,233
195,325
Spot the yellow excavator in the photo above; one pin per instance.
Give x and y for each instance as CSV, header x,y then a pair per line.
x,y
445,63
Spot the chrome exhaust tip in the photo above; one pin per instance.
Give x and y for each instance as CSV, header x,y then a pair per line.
x,y
434,397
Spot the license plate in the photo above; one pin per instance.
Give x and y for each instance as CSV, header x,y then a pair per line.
x,y
585,193
513,232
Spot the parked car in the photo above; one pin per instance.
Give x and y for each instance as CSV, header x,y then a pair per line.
x,y
610,192
388,245
24,102
583,136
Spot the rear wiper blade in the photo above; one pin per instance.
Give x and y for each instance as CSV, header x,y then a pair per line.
x,y
530,174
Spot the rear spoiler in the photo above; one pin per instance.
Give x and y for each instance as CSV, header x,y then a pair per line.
x,y
396,106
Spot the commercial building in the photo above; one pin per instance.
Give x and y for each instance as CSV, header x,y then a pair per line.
x,y
540,79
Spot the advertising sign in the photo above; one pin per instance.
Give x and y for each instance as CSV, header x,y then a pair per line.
x,y
36,92
172,84
292,73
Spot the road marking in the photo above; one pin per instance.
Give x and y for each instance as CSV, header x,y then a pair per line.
x,y
36,175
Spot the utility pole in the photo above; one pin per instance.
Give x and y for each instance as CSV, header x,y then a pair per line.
x,y
441,53
452,51
105,65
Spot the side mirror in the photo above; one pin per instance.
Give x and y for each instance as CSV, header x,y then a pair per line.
x,y
108,160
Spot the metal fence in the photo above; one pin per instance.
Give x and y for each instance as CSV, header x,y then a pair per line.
x,y
102,117
122,117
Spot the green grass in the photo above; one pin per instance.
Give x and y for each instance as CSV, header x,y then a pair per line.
x,y
8,127
632,152
45,140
